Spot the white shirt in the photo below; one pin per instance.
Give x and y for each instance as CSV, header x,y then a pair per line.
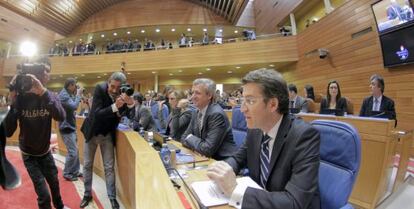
x,y
236,198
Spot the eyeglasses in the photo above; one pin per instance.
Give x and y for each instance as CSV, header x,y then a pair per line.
x,y
249,101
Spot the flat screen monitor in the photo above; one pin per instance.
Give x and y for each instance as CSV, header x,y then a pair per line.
x,y
398,46
390,14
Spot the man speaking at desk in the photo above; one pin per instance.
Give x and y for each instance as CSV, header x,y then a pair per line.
x,y
280,151
209,132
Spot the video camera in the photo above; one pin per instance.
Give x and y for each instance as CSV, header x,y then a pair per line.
x,y
23,82
127,89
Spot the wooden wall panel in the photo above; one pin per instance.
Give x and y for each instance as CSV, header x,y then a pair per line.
x,y
269,13
148,12
18,29
351,61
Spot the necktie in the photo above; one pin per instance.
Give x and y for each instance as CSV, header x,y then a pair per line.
x,y
264,160
376,104
199,120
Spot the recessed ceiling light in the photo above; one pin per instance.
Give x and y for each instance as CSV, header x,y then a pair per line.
x,y
171,74
142,31
80,39
82,74
180,71
229,71
70,42
98,76
115,34
157,30
237,67
128,73
208,69
103,36
76,77
200,73
205,29
172,29
91,37
105,74
271,65
128,32
236,31
221,30
188,29
153,72
61,76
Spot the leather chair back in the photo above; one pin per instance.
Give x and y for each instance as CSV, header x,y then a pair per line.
x,y
340,152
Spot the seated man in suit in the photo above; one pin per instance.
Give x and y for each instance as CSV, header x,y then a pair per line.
x,y
141,115
209,132
296,101
280,151
378,104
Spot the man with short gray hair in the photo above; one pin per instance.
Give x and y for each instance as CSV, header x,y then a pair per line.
x,y
99,129
209,132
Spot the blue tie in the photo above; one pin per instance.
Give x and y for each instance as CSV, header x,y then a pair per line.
x,y
264,160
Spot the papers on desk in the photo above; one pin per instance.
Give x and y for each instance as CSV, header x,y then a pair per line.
x,y
211,195
183,158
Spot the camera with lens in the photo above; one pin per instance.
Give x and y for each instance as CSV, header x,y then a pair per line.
x,y
23,82
127,89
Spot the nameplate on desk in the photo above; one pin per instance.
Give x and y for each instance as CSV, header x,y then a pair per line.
x,y
210,194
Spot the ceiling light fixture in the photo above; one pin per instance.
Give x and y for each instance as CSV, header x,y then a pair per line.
x,y
172,29
142,31
102,35
128,32
188,29
157,30
115,34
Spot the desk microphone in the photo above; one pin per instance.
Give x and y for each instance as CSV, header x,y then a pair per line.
x,y
200,205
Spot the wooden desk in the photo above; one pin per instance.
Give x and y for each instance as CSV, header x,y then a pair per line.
x,y
142,181
378,148
194,175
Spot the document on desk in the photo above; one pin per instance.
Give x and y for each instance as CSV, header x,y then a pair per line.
x,y
211,195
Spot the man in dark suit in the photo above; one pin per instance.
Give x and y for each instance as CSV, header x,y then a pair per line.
x,y
378,105
280,151
108,106
296,101
209,132
141,115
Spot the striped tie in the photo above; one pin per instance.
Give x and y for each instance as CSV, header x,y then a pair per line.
x,y
264,160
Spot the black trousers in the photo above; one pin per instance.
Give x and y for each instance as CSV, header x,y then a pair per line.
x,y
39,169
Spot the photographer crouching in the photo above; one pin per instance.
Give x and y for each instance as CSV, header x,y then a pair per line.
x,y
34,107
111,101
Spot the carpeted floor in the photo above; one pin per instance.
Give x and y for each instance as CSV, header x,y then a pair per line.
x,y
25,197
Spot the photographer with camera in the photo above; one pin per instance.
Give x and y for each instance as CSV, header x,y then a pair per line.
x,y
33,106
111,101
70,97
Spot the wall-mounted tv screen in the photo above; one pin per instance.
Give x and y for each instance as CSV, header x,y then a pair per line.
x,y
398,46
391,14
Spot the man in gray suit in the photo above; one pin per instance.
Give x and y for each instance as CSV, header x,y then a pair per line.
x,y
296,101
280,151
209,132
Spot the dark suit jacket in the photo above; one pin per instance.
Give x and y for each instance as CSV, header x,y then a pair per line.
x,y
176,123
102,120
294,167
340,104
216,137
387,106
142,118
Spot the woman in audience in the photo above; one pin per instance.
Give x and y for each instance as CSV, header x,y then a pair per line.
x,y
309,92
180,115
333,99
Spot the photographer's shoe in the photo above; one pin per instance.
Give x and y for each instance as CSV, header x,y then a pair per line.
x,y
85,201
